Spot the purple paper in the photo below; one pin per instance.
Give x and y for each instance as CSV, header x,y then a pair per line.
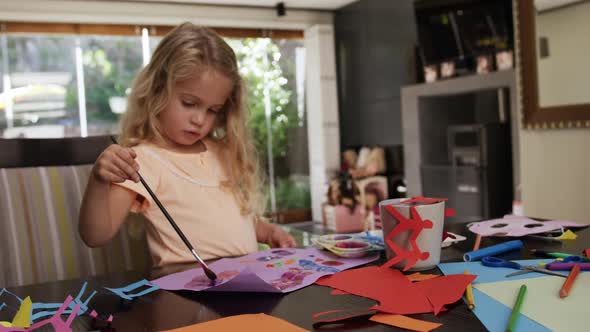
x,y
270,271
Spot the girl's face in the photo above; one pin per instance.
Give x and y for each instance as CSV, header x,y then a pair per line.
x,y
193,108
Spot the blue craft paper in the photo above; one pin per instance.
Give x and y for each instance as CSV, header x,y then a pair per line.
x,y
491,274
494,315
51,308
126,291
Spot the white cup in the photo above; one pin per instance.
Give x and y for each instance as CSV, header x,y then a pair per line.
x,y
429,240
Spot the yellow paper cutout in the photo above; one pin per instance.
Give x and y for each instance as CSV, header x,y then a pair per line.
x,y
567,235
23,316
5,324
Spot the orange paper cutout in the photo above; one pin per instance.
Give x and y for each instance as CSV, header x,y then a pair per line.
x,y
420,277
243,323
405,322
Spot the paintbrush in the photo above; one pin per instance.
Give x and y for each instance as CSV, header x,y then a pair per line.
x,y
210,274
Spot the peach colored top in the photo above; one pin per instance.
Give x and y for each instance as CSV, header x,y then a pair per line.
x,y
188,185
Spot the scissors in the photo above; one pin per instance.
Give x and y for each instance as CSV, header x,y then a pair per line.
x,y
498,262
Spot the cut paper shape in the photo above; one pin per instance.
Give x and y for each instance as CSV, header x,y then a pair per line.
x,y
405,322
338,292
126,292
245,323
395,293
587,252
23,315
542,303
56,321
491,274
415,225
257,277
494,315
49,309
567,235
420,277
444,290
451,239
518,226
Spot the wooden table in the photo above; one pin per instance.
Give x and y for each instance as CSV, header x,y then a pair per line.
x,y
163,310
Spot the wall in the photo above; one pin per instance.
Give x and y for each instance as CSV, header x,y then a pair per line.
x,y
161,13
554,173
374,47
563,75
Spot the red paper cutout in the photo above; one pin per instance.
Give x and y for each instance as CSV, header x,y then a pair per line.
x,y
444,290
424,200
338,292
587,251
449,212
415,225
395,293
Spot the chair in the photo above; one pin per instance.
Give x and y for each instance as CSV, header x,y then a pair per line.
x,y
41,186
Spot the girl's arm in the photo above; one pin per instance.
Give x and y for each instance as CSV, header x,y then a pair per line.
x,y
105,206
273,235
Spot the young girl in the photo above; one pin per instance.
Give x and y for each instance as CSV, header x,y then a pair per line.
x,y
185,132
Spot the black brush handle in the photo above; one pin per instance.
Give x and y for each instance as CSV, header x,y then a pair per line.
x,y
162,208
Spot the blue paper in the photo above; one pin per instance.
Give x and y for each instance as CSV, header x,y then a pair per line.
x,y
491,274
494,315
125,292
49,309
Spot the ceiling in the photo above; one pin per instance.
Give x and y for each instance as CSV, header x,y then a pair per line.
x,y
298,4
550,4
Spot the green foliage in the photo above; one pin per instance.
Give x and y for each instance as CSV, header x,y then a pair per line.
x,y
266,76
293,195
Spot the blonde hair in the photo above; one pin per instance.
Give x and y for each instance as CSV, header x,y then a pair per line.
x,y
182,52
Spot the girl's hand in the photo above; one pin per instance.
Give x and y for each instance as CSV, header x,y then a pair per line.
x,y
280,239
116,164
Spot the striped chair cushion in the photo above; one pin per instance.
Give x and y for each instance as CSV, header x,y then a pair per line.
x,y
39,240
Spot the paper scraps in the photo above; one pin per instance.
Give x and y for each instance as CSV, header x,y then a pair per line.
x,y
126,292
395,293
243,323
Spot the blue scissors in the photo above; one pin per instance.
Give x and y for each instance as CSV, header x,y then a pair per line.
x,y
498,262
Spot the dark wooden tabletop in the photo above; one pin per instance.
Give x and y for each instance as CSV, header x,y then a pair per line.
x,y
162,310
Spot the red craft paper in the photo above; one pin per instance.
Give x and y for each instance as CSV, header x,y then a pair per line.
x,y
587,251
338,292
445,290
388,286
395,293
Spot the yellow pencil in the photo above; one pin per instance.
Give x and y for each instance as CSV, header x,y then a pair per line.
x,y
469,294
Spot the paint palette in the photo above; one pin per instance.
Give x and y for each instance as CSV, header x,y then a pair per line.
x,y
351,245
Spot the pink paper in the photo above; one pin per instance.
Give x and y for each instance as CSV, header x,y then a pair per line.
x,y
270,271
518,226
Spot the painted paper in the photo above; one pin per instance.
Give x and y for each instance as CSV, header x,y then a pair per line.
x,y
271,271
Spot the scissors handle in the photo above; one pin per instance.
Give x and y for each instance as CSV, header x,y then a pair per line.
x,y
498,262
573,259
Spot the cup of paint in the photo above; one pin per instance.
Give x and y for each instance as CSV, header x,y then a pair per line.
x,y
429,240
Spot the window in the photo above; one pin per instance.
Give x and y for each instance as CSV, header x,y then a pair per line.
x,y
75,82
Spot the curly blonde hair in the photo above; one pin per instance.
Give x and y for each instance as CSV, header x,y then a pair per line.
x,y
182,52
